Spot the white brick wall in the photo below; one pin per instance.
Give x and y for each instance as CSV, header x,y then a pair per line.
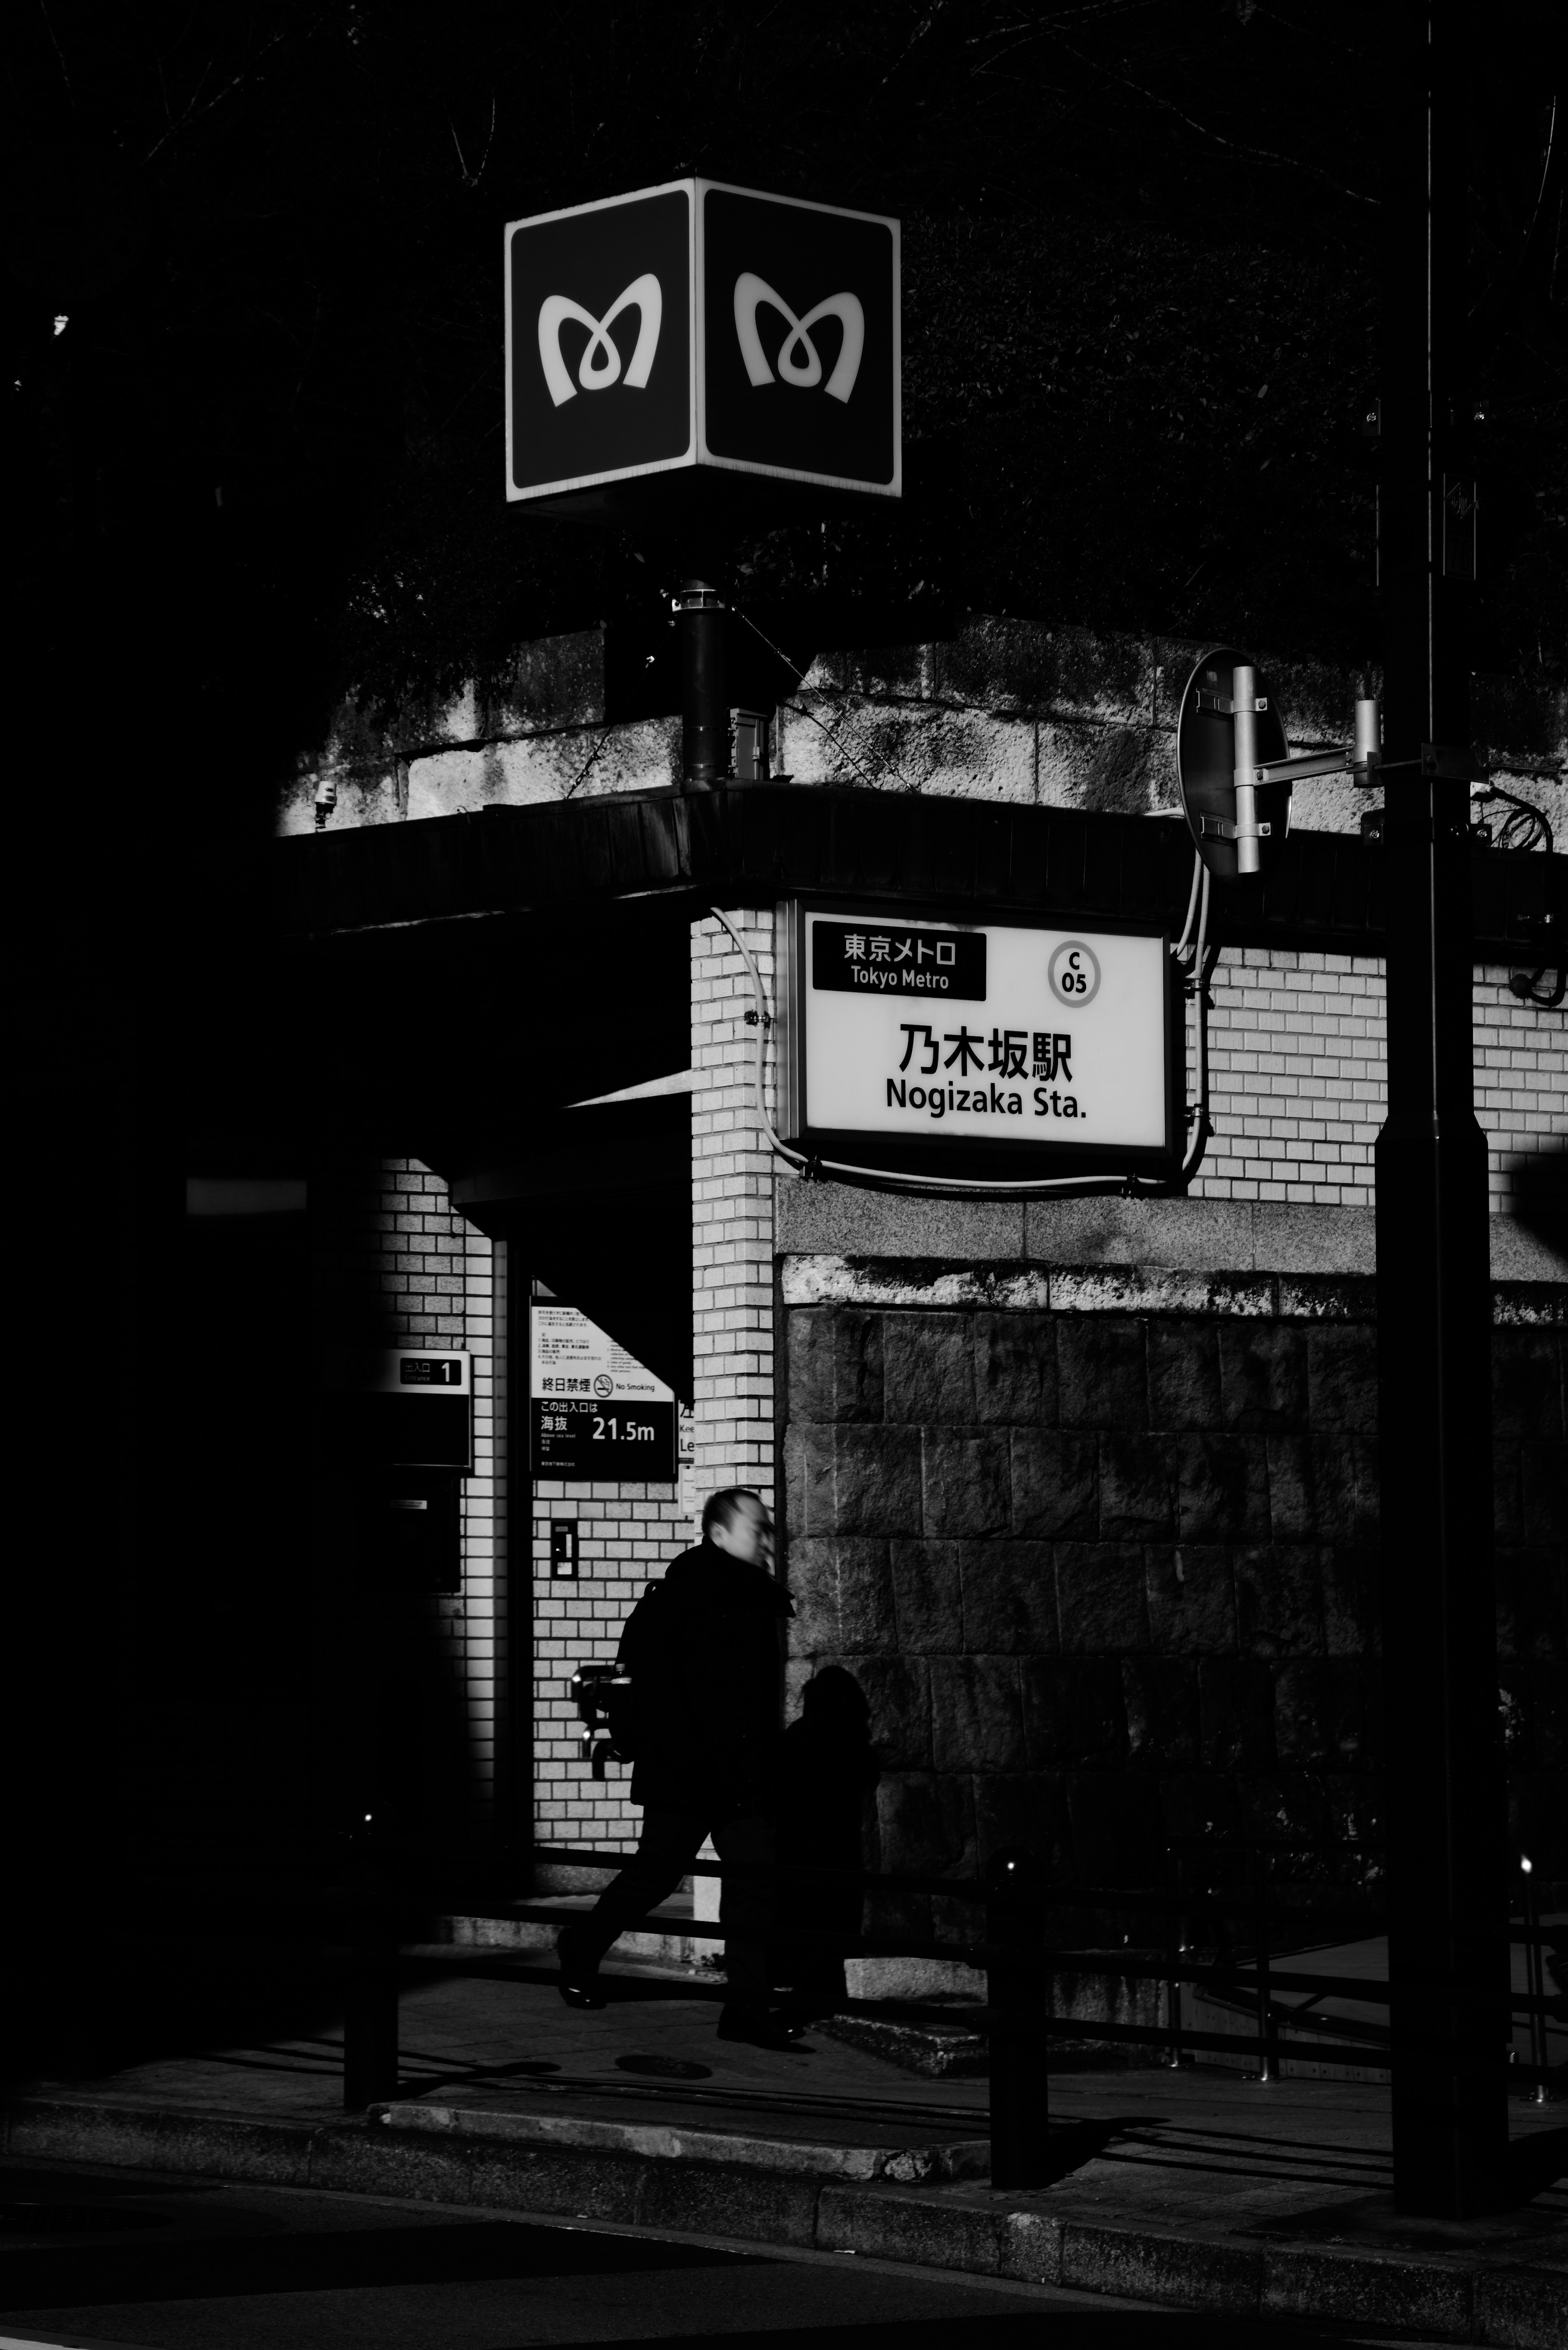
x,y
397,1267
731,1212
1297,1088
627,1536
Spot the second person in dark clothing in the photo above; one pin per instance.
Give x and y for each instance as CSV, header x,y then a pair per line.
x,y
698,1722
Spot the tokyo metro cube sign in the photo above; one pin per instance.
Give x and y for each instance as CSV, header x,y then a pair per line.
x,y
695,328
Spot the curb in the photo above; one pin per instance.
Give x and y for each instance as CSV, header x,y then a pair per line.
x,y
697,2182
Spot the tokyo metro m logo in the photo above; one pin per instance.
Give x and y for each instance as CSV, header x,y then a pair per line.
x,y
799,362
600,366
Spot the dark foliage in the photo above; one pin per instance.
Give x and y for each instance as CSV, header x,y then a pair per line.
x,y
266,449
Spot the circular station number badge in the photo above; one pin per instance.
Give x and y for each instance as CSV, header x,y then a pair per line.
x,y
1075,973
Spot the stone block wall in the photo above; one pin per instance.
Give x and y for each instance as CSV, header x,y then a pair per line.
x,y
1108,1577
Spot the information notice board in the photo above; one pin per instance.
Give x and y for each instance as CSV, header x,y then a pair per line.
x,y
597,1415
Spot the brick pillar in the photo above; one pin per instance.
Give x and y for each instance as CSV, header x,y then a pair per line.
x,y
732,1212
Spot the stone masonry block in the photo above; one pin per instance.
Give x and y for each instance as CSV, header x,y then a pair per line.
x,y
1350,1601
1527,1385
1322,1710
927,1369
890,2227
976,1714
596,2184
1543,1494
1222,1489
925,1825
843,1594
1100,1600
1028,1809
965,1481
1177,2271
1199,1804
1137,1497
834,1364
898,1695
1341,1377
1236,1711
1531,1605
1278,1599
1102,1371
765,2206
1015,1369
1507,1492
1322,1489
1119,1827
1160,1695
862,1481
1183,1374
1073,1710
1191,1599
1264,1375
928,1608
1055,1483
1009,1598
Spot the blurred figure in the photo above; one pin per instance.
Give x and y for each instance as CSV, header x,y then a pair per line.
x,y
699,1723
828,1767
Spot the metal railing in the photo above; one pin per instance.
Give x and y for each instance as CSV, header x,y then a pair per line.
x,y
1018,1961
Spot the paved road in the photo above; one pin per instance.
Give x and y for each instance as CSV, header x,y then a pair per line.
x,y
113,2258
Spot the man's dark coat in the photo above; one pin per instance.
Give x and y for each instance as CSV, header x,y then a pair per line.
x,y
701,1719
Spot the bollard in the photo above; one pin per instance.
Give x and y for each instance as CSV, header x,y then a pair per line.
x,y
371,1981
1535,1976
1015,1994
370,2029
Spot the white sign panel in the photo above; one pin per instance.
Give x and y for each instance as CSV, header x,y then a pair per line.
x,y
1047,1035
572,1356
595,1412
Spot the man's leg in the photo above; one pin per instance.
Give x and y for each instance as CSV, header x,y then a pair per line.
x,y
666,1849
746,1909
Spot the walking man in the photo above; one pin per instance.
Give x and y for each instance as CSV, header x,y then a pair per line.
x,y
699,1723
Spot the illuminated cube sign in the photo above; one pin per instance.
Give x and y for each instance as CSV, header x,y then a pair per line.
x,y
700,327
997,1049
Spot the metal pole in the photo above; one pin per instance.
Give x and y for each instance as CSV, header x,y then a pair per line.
x,y
704,706
1019,2111
1244,701
1535,1976
1447,1849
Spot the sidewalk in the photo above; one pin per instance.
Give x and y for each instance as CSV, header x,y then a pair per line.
x,y
1197,2189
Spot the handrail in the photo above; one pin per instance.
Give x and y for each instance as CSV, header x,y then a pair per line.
x,y
1018,1962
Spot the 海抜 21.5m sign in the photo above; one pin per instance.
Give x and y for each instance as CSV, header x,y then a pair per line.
x,y
698,326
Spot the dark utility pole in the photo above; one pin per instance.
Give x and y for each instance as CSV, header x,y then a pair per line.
x,y
1449,1957
705,705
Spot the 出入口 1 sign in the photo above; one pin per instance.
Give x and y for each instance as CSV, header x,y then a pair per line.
x,y
596,1415
993,1048
695,327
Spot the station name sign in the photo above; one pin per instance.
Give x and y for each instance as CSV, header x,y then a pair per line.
x,y
696,327
999,1049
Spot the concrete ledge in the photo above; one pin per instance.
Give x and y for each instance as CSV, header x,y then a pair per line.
x,y
661,2142
464,2158
1197,1236
931,1284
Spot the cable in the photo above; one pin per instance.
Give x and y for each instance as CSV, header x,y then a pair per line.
x,y
1200,875
1040,1187
1201,979
800,710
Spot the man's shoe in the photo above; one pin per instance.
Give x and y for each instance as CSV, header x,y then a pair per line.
x,y
761,2028
579,1984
